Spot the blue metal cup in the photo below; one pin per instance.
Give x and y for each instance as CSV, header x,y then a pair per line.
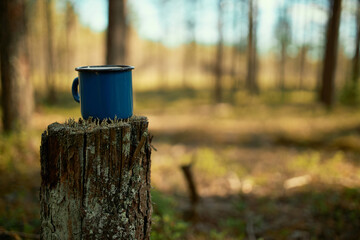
x,y
105,91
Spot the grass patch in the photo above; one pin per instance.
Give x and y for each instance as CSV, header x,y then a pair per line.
x,y
167,223
209,163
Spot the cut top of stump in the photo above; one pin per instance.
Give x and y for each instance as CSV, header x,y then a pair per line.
x,y
90,125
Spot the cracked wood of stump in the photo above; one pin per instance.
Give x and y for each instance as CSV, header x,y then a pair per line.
x,y
96,180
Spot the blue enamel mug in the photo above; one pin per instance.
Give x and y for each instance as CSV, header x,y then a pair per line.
x,y
104,91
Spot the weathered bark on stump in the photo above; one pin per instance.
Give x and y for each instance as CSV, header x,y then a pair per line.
x,y
96,180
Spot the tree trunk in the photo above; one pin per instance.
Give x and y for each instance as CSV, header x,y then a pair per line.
x,y
303,53
190,49
219,56
50,63
304,49
162,53
116,33
70,26
234,53
356,59
251,81
327,90
283,35
282,68
96,180
16,87
237,48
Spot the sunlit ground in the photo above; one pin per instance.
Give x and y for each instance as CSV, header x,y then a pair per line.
x,y
269,166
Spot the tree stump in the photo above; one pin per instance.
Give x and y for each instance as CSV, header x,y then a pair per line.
x,y
96,180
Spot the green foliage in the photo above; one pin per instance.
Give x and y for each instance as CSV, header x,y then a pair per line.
x,y
166,222
210,163
350,94
338,210
328,169
217,235
18,151
308,162
19,206
235,227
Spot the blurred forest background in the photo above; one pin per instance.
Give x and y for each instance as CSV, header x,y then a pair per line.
x,y
258,99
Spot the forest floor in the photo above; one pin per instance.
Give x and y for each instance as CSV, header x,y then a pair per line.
x,y
264,169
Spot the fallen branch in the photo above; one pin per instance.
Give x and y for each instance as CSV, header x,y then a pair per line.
x,y
194,196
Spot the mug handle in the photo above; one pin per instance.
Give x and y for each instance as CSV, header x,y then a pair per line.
x,y
74,90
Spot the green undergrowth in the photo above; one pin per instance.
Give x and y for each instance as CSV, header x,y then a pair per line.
x,y
350,94
19,182
166,220
327,167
